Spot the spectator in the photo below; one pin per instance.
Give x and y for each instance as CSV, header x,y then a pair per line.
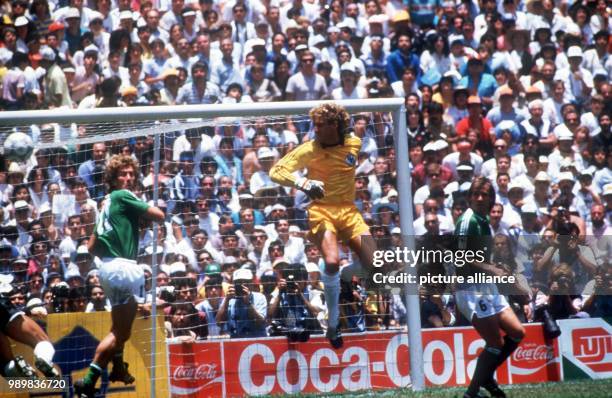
x,y
290,310
243,310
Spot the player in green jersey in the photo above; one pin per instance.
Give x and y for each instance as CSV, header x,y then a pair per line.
x,y
115,241
482,304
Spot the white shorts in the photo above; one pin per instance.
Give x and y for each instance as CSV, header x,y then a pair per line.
x,y
122,279
482,300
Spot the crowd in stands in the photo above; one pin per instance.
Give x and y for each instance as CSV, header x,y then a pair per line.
x,y
516,91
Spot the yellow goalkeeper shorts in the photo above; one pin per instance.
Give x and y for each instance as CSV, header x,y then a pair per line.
x,y
344,220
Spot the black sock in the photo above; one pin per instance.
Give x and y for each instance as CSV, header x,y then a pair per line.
x,y
510,345
507,349
118,360
485,367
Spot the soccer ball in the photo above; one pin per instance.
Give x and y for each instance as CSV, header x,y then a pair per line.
x,y
18,147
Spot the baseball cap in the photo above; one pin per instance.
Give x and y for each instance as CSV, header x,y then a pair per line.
x,y
301,47
72,12
312,267
505,90
378,18
74,273
21,21
230,260
55,26
529,208
94,15
565,134
19,260
347,23
212,268
130,90
574,51
515,185
401,16
430,146
47,53
278,262
188,12
278,206
82,251
566,176
465,166
177,267
347,67
149,250
21,205
242,274
396,231
542,176
45,207
318,39
333,29
126,14
474,99
264,152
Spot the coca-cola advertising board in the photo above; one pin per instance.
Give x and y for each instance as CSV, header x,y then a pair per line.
x,y
196,369
586,348
375,360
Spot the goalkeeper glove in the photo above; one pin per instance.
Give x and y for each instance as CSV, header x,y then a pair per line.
x,y
313,188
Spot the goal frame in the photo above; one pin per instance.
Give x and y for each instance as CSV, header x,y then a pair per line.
x,y
152,113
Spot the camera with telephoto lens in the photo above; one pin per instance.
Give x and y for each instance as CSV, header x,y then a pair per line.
x,y
166,293
551,329
239,289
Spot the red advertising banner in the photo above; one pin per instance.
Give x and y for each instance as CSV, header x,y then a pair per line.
x,y
375,360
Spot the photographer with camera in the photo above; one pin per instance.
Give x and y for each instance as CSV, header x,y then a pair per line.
x,y
291,313
213,291
597,293
563,299
243,311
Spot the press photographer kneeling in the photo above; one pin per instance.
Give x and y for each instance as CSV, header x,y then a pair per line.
x,y
291,314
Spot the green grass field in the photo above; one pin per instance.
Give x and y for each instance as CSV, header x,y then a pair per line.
x,y
571,389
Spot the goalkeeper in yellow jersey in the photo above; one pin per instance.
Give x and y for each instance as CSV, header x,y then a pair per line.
x,y
331,159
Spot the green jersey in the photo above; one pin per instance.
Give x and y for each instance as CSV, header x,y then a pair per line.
x,y
474,233
117,229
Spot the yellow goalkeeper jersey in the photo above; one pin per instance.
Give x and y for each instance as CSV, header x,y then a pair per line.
x,y
334,166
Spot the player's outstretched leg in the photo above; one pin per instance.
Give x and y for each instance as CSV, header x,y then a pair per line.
x,y
120,371
331,284
514,334
27,331
122,318
488,360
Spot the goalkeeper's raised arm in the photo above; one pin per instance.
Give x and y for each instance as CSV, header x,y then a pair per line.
x,y
330,159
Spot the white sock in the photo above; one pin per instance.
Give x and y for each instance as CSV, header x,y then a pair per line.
x,y
45,351
331,284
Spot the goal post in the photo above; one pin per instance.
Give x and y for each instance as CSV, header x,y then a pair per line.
x,y
156,120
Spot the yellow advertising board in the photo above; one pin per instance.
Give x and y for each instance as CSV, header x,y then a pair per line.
x,y
75,337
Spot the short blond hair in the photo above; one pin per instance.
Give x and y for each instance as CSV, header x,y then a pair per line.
x,y
332,113
114,166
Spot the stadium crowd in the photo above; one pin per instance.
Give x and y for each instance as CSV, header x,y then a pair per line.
x,y
516,91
